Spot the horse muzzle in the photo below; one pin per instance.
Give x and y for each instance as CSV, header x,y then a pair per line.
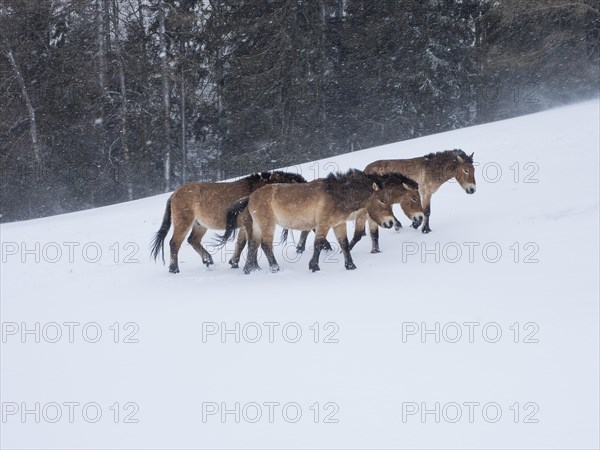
x,y
387,223
470,189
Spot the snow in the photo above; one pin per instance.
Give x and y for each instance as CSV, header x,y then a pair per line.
x,y
536,201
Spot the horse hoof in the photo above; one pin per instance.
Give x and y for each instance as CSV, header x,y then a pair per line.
x,y
174,270
314,267
275,268
426,230
234,265
375,250
299,249
250,269
350,266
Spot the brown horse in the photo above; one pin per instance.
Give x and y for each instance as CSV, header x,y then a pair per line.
x,y
321,205
431,171
200,206
409,201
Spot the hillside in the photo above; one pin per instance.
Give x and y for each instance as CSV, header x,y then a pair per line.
x,y
519,257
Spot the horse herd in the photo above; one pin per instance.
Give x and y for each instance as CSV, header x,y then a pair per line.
x,y
258,203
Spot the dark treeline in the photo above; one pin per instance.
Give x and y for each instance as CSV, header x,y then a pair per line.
x,y
108,100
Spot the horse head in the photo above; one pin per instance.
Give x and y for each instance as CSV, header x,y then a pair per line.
x,y
465,171
410,202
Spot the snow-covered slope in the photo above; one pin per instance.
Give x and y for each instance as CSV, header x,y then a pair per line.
x,y
520,258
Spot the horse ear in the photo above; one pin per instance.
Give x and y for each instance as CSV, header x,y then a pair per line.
x,y
375,186
408,188
471,155
460,160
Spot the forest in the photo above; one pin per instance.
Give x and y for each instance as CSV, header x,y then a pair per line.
x,y
105,101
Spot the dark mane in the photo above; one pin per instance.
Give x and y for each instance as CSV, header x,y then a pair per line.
x,y
352,175
279,176
358,177
393,179
276,176
259,176
447,157
346,188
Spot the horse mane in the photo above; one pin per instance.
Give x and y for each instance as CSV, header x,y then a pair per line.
x,y
355,176
447,157
346,187
266,176
289,176
343,186
259,176
352,175
394,179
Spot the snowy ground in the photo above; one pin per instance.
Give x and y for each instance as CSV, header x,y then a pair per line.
x,y
519,257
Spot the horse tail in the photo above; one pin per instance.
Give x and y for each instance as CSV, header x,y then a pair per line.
x,y
158,243
284,236
231,221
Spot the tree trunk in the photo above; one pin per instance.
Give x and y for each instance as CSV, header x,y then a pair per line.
x,y
341,8
165,93
123,89
101,46
102,34
183,131
37,148
106,20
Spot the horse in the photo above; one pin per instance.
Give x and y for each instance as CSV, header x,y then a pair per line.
x,y
320,205
410,203
200,206
430,172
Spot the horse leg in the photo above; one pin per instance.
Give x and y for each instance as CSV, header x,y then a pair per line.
x,y
254,237
374,232
302,242
325,245
320,238
239,246
359,229
252,257
245,224
182,223
426,202
268,234
195,240
268,249
397,225
341,233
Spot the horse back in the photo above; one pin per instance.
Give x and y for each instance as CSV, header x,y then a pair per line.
x,y
413,168
208,202
294,206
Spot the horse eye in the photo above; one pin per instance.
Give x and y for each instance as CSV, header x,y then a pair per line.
x,y
466,171
382,202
